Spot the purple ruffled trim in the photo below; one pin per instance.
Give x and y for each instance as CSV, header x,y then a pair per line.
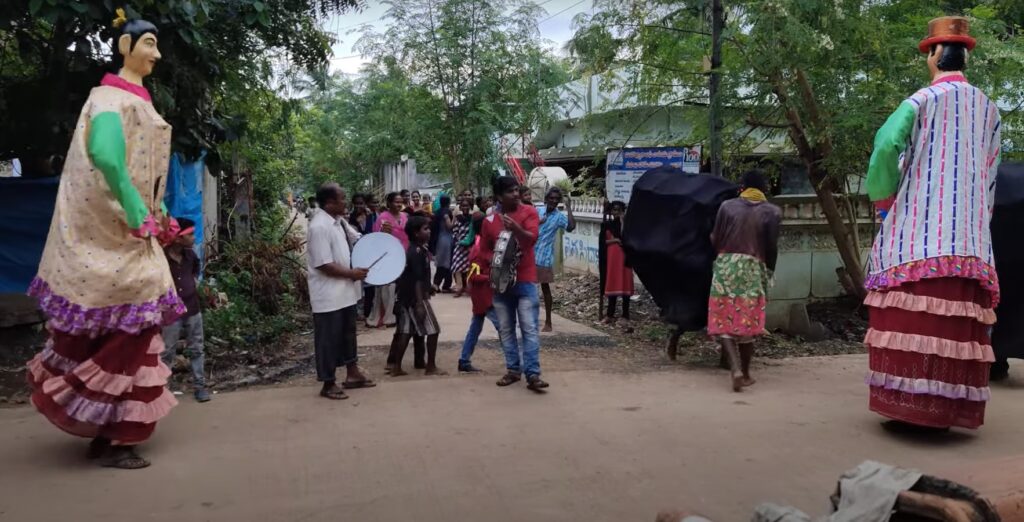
x,y
928,386
56,360
74,319
93,412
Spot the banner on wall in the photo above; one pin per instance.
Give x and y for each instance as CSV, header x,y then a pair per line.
x,y
625,166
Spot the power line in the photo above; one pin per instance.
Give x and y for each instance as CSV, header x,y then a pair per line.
x,y
561,11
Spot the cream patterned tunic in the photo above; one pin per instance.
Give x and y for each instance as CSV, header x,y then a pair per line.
x,y
95,276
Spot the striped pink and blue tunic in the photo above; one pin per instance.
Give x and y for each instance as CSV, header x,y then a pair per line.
x,y
939,195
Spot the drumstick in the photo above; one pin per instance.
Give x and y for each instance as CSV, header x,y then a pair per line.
x,y
378,259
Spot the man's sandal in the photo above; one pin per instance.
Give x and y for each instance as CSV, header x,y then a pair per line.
x,y
335,394
508,379
535,383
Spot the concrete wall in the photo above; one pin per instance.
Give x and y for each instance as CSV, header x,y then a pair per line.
x,y
806,269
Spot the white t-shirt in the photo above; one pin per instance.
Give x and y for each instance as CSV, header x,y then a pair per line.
x,y
329,241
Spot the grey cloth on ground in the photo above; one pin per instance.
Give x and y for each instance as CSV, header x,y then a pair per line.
x,y
867,493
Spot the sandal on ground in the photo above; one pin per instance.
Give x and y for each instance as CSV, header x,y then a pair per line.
x,y
97,448
335,394
508,379
355,385
535,383
124,457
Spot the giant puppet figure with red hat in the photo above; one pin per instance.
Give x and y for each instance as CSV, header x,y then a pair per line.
x,y
103,280
932,280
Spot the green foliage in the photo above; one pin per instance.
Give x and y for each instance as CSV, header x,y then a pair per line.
x,y
482,65
350,130
859,58
241,322
820,75
54,51
265,282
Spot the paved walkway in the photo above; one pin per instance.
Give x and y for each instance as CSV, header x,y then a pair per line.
x,y
454,315
600,446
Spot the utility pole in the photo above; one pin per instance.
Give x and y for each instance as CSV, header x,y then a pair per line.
x,y
715,98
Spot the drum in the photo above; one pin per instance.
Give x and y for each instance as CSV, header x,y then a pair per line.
x,y
382,254
505,262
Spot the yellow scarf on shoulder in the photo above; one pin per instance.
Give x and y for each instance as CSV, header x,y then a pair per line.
x,y
754,195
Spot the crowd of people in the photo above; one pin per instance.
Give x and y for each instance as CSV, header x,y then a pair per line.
x,y
119,288
444,248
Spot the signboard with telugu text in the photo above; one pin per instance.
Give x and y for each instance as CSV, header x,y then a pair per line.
x,y
625,166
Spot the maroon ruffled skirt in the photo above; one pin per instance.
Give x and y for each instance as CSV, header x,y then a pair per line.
x,y
112,385
930,351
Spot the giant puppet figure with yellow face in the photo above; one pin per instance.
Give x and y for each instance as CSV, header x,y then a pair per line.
x,y
103,281
932,280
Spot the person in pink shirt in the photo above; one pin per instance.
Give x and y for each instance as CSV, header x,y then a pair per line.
x,y
391,221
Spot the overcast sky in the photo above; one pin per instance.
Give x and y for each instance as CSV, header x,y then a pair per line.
x,y
556,26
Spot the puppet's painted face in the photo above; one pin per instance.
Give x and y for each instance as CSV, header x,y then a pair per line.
x,y
141,58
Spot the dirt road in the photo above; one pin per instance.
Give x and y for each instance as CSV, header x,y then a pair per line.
x,y
600,446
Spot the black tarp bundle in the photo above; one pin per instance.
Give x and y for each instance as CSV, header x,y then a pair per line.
x,y
1007,225
667,239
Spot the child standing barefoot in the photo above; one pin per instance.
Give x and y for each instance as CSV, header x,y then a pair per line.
x,y
415,315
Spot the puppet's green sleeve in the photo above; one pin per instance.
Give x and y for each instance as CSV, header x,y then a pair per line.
x,y
890,141
106,146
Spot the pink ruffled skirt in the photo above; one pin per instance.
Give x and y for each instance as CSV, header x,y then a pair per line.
x,y
930,352
112,385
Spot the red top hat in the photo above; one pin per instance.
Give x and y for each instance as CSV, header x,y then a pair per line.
x,y
947,29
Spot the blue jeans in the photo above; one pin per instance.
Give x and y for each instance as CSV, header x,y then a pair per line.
x,y
519,303
476,326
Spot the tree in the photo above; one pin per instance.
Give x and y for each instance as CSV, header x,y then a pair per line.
x,y
53,52
824,74
357,126
482,60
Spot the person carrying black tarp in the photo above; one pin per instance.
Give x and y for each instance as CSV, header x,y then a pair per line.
x,y
1007,222
667,238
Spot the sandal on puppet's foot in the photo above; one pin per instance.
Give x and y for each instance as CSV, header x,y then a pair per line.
x,y
124,457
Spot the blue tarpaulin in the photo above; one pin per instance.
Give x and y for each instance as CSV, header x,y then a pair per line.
x,y
26,208
184,195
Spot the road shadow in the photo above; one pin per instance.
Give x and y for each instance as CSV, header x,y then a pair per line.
x,y
63,453
920,435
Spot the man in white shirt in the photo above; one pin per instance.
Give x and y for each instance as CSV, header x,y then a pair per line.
x,y
334,291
